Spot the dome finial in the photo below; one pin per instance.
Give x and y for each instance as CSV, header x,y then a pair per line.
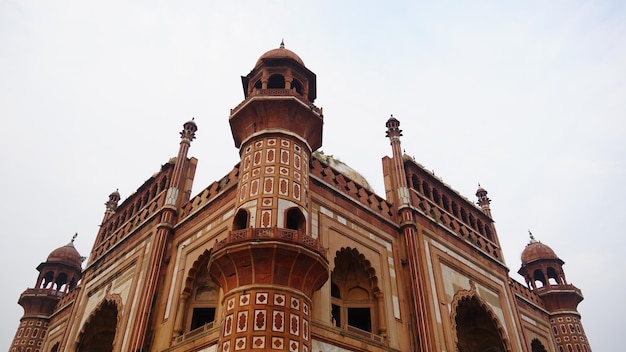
x,y
532,238
282,43
74,237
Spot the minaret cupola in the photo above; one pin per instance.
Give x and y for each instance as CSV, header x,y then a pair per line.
x,y
111,204
483,200
279,94
543,271
58,276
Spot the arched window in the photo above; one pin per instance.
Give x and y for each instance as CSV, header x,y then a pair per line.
x,y
203,301
258,84
241,220
202,294
276,81
353,283
294,219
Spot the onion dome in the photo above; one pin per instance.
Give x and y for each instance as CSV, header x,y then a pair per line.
x,y
280,53
67,255
536,250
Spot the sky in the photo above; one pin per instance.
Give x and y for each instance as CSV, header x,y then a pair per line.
x,y
527,98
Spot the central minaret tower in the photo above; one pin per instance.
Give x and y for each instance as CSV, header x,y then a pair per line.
x,y
269,265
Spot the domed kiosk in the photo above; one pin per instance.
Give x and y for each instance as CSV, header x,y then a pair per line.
x,y
58,276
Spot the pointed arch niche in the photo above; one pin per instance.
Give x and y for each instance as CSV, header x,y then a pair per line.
x,y
99,332
476,327
356,299
537,346
200,297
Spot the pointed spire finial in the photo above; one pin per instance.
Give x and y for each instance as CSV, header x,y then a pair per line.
x,y
74,237
282,43
532,238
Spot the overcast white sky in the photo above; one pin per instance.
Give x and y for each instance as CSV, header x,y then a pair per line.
x,y
526,97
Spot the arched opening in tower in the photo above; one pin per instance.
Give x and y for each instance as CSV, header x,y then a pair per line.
x,y
295,84
276,81
553,277
539,278
295,219
241,220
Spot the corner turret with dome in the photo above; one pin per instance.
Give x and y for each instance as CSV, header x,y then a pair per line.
x,y
543,271
58,276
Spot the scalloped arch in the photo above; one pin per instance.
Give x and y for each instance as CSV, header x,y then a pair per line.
x,y
114,299
203,259
463,296
360,258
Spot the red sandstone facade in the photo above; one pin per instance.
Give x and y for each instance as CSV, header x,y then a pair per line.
x,y
292,251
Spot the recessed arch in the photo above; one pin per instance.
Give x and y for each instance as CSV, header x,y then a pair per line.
x,y
537,346
476,326
202,294
98,334
354,286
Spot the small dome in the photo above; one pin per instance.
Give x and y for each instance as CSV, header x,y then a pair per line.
x,y
66,255
191,123
115,196
344,169
280,53
536,250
